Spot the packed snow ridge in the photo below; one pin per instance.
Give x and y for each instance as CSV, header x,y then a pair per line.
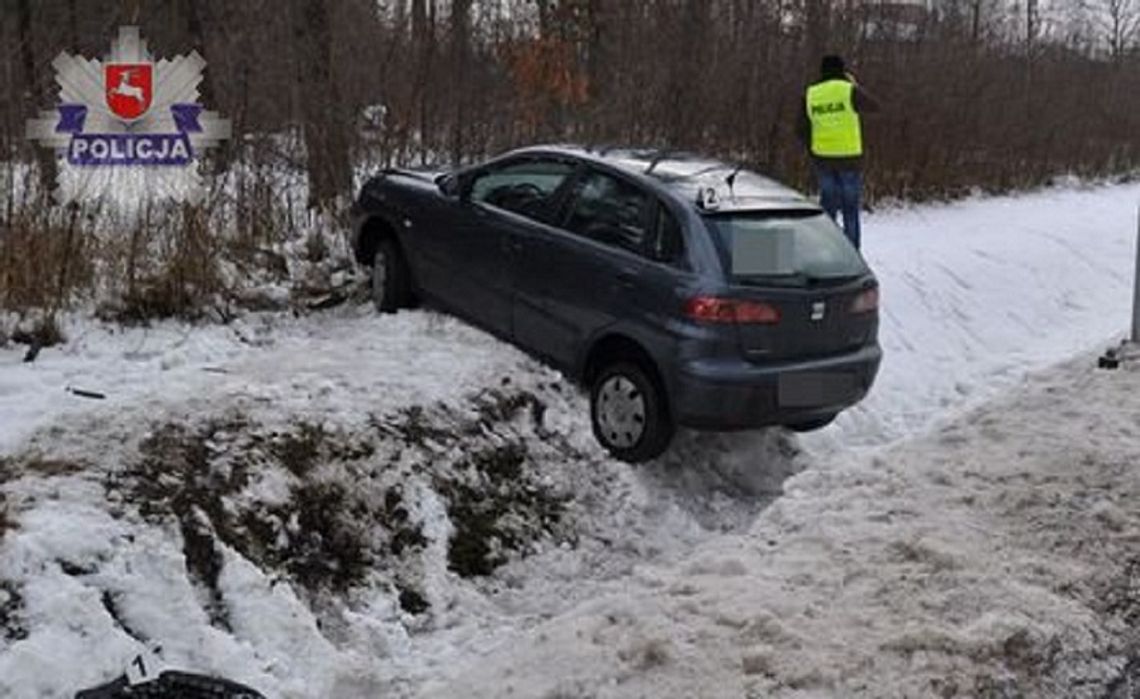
x,y
347,505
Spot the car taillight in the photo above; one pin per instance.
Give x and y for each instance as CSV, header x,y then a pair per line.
x,y
866,302
710,309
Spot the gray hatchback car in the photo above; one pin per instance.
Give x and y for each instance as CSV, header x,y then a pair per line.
x,y
681,291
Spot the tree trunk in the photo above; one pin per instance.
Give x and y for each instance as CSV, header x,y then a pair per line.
x,y
325,124
460,53
816,24
423,42
36,94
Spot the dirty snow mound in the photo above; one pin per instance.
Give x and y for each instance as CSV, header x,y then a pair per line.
x,y
292,540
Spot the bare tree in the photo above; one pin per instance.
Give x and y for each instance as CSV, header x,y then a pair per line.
x,y
36,90
324,122
462,78
460,58
1118,22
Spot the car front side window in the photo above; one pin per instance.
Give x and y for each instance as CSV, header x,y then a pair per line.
x,y
610,211
526,188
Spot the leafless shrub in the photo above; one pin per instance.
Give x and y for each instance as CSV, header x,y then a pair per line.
x,y
41,331
44,260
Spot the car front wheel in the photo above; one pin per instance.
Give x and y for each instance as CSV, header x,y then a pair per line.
x,y
629,414
391,282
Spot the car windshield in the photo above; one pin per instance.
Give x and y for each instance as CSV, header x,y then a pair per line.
x,y
793,247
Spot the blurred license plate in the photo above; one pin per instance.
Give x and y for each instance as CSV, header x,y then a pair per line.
x,y
809,389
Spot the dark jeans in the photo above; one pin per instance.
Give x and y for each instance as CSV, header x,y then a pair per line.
x,y
842,190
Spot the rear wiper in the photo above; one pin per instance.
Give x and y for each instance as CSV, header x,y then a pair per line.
x,y
795,279
833,280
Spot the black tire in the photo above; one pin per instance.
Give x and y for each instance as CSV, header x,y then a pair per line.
x,y
628,379
391,278
812,425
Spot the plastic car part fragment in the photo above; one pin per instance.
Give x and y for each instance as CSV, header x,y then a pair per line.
x,y
171,685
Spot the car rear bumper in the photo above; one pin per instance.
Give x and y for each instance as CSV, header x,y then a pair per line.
x,y
731,394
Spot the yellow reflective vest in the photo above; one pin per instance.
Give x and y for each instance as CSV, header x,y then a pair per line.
x,y
836,131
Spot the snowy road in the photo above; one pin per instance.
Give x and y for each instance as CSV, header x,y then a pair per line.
x,y
975,294
245,427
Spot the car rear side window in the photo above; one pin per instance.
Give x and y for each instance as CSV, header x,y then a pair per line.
x,y
610,211
667,243
525,187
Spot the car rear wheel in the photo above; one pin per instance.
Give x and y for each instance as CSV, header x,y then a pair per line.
x,y
812,425
391,280
629,414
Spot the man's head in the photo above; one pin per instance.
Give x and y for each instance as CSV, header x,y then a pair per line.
x,y
832,67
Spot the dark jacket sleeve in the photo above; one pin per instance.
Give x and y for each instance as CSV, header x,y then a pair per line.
x,y
803,127
865,102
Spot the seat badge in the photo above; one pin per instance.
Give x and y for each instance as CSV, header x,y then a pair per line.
x,y
818,309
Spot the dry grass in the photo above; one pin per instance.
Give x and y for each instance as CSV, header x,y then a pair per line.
x,y
44,466
169,267
167,260
46,259
6,522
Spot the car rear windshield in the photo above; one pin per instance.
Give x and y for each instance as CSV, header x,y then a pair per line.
x,y
784,247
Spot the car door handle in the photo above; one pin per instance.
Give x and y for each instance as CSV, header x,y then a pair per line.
x,y
512,245
627,279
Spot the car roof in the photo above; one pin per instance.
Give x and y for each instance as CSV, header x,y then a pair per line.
x,y
698,180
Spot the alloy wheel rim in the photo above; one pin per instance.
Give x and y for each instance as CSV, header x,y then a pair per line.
x,y
621,412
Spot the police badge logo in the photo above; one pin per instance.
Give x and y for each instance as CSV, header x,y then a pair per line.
x,y
129,89
129,110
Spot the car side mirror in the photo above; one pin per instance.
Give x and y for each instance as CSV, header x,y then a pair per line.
x,y
458,185
448,184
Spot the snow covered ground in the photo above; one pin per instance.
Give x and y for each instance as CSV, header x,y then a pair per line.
x,y
998,556
311,505
977,293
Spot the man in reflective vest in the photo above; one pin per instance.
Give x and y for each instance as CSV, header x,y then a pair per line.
x,y
833,132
